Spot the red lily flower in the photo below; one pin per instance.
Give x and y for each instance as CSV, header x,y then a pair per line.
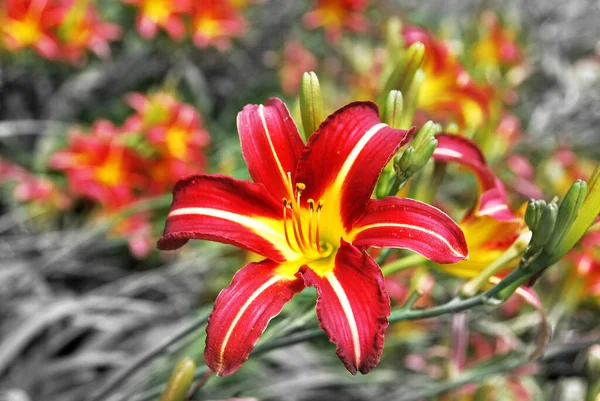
x,y
28,23
99,167
448,93
31,188
309,212
164,14
81,29
490,226
180,143
335,15
151,110
497,47
214,22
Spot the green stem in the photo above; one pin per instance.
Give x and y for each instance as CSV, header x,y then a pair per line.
x,y
402,264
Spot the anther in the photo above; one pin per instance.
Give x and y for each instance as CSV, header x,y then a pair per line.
x,y
300,186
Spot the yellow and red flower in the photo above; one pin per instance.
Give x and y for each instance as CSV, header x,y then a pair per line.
x,y
166,14
335,15
214,22
100,167
30,188
309,212
151,110
490,226
497,47
448,93
586,260
82,29
29,24
180,143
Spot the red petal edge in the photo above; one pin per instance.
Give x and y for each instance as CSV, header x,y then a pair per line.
x,y
241,314
217,192
352,307
407,223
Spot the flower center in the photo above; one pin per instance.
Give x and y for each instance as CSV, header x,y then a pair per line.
x,y
302,227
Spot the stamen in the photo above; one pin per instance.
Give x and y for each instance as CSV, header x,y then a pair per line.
x,y
297,215
285,230
297,232
317,238
311,208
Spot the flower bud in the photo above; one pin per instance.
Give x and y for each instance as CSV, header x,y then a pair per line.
x,y
392,111
180,381
545,226
403,76
311,103
567,212
588,212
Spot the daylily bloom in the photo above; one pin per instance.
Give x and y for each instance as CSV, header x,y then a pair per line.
x,y
81,29
99,167
151,110
309,212
164,14
497,46
29,24
335,15
180,143
448,93
214,22
31,188
564,167
490,226
585,278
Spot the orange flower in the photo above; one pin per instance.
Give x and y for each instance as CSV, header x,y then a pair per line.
x,y
30,188
82,29
448,93
490,227
180,143
28,24
166,14
335,15
153,109
98,166
497,46
214,22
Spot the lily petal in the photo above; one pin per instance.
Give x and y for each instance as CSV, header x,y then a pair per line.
x,y
242,311
492,199
271,145
352,306
407,223
358,146
223,209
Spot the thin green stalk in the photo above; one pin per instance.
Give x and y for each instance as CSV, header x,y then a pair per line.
x,y
402,264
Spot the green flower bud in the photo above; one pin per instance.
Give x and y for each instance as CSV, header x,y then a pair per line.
x,y
311,103
531,214
392,111
180,382
567,212
402,77
588,212
545,226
